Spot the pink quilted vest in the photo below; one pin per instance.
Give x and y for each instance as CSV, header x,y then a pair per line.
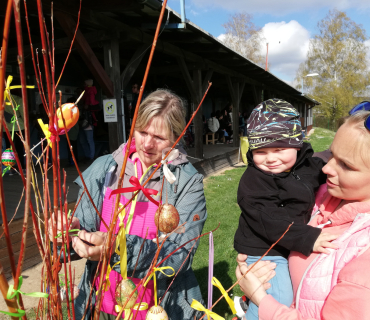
x,y
322,274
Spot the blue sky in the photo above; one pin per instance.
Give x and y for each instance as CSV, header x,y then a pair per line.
x,y
290,22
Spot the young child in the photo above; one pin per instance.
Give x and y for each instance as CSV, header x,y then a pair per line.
x,y
278,188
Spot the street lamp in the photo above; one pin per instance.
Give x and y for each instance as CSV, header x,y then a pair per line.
x,y
308,75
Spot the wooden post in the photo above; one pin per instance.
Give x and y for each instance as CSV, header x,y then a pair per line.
x,y
132,65
198,121
112,68
196,87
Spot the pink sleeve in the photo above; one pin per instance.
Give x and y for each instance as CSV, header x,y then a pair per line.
x,y
346,301
270,309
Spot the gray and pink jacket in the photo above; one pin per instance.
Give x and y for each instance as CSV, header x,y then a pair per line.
x,y
186,194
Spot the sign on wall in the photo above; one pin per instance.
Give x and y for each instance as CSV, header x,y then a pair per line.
x,y
110,110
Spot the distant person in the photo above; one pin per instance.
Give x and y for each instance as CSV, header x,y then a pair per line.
x,y
213,124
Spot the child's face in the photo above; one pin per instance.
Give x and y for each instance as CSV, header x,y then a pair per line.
x,y
275,160
348,170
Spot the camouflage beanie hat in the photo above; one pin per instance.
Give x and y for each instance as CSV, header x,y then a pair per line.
x,y
274,123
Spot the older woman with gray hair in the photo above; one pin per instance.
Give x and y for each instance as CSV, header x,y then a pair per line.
x,y
160,121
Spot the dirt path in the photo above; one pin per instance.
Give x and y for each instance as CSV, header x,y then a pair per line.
x,y
32,283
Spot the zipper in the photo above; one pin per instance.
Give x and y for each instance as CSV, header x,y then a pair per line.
x,y
312,196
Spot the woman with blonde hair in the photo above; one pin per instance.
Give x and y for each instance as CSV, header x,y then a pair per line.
x,y
160,121
334,284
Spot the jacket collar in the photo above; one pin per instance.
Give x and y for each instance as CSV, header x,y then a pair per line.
x,y
345,214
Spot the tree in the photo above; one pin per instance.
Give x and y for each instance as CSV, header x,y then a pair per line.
x,y
338,54
244,37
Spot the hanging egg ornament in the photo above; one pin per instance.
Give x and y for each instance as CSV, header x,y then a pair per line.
x,y
123,291
8,158
70,114
156,313
166,218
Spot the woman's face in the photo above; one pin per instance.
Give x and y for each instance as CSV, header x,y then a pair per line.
x,y
348,173
151,141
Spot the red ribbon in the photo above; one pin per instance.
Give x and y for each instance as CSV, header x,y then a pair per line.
x,y
137,186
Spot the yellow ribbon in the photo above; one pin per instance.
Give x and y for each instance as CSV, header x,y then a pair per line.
x,y
9,87
198,306
244,146
128,315
152,275
45,130
230,301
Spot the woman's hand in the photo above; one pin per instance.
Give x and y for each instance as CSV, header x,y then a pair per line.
x,y
92,250
250,284
263,270
324,241
75,224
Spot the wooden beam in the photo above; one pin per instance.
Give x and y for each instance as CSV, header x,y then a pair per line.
x,y
198,121
86,53
189,82
132,65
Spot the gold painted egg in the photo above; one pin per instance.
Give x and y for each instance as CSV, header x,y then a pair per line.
x,y
70,115
156,313
166,218
123,292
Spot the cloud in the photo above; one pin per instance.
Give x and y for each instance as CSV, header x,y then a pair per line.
x,y
282,7
288,46
193,12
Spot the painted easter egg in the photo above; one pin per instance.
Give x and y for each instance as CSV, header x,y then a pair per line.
x,y
123,292
166,218
156,313
70,115
63,294
8,158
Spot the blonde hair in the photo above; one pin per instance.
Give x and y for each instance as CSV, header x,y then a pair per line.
x,y
168,107
362,144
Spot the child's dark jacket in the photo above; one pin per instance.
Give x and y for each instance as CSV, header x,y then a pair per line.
x,y
270,202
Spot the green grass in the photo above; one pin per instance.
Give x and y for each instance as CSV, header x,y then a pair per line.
x,y
321,139
220,192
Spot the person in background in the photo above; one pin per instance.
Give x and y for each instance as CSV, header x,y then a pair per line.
x,y
242,126
135,95
222,130
87,121
212,123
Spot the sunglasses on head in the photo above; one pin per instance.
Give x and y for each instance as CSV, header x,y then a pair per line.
x,y
364,105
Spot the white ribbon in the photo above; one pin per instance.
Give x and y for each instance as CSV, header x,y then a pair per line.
x,y
166,171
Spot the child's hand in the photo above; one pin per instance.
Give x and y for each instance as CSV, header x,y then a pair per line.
x,y
324,241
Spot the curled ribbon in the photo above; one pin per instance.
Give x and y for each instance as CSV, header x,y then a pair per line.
x,y
14,293
137,186
9,87
198,306
218,284
152,275
166,171
128,315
